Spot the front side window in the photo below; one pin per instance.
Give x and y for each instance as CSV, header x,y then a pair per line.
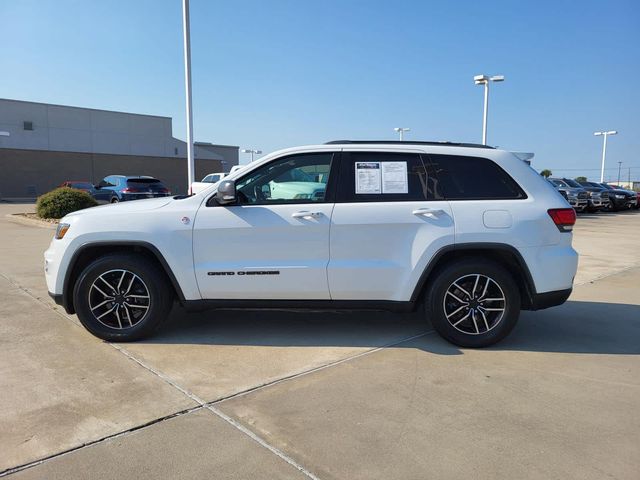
x,y
294,179
474,178
386,177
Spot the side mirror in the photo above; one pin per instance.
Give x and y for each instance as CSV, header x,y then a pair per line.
x,y
226,192
97,186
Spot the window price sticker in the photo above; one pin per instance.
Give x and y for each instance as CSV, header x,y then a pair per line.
x,y
381,177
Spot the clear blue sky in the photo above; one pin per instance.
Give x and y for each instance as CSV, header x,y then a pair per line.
x,y
272,74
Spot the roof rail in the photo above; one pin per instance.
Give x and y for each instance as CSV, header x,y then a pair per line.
x,y
407,142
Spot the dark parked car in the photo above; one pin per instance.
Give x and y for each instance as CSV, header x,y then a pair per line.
x,y
100,197
598,195
577,197
621,199
120,188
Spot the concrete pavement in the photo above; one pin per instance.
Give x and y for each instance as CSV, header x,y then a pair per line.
x,y
312,394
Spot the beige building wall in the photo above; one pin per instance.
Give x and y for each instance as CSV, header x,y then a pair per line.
x,y
29,173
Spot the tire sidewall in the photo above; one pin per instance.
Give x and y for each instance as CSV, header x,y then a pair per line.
x,y
434,308
159,296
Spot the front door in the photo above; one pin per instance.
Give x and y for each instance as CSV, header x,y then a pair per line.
x,y
274,242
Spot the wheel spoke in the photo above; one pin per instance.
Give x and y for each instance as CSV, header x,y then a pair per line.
x,y
456,311
454,296
137,296
124,272
486,286
108,311
462,319
131,305
493,309
493,299
484,317
103,294
110,299
462,289
133,277
475,324
118,317
128,315
475,285
106,283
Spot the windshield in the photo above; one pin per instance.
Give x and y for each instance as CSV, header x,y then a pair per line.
x,y
558,183
606,186
572,183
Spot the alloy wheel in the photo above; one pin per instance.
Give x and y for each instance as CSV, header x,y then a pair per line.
x,y
119,299
474,304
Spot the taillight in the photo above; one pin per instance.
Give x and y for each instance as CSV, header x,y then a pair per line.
x,y
564,218
164,190
130,190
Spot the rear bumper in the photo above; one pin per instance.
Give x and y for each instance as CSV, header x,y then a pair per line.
x,y
540,301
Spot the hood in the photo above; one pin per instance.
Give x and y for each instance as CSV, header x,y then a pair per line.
x,y
126,207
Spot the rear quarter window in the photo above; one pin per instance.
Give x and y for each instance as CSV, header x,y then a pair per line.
x,y
473,178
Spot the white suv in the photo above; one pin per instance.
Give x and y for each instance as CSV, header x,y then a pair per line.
x,y
469,233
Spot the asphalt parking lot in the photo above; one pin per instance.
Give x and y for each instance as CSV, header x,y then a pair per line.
x,y
349,395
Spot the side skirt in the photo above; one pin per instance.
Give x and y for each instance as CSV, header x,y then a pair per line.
x,y
391,306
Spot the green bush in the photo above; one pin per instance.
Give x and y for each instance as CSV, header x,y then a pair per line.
x,y
61,201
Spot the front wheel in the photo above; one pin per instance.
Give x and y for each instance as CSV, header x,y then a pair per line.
x,y
473,302
122,297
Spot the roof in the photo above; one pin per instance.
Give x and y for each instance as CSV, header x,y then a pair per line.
x,y
397,142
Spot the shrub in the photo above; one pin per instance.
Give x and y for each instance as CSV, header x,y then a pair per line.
x,y
61,201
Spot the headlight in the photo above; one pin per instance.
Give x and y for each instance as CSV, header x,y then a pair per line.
x,y
619,196
62,230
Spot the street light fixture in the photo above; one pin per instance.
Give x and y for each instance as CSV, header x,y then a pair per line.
x,y
401,131
604,148
252,152
484,80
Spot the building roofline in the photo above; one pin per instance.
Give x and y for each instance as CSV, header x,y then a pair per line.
x,y
209,144
85,108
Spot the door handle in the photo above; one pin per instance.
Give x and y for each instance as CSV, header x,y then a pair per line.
x,y
305,214
428,212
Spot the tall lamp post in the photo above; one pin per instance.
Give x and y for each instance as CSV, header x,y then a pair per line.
x,y
187,86
401,131
252,152
484,80
604,148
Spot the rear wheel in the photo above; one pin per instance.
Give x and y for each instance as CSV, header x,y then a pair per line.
x,y
122,297
473,302
114,200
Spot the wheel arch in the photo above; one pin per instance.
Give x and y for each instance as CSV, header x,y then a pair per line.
x,y
503,254
88,252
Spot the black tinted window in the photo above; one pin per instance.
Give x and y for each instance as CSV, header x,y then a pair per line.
x,y
473,178
386,177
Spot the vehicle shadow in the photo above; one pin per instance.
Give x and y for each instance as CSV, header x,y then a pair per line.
x,y
575,327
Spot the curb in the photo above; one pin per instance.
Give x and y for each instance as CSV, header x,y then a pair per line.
x,y
17,218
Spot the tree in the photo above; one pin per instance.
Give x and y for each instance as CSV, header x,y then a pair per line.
x,y
581,179
546,173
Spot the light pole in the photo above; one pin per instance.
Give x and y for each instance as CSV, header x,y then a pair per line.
x,y
604,149
484,80
187,86
619,167
401,131
252,152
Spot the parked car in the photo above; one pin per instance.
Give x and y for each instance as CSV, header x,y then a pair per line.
x,y
88,187
119,188
577,197
598,196
621,199
207,181
467,233
596,189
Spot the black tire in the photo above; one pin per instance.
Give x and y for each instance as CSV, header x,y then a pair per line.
x,y
144,315
114,200
472,332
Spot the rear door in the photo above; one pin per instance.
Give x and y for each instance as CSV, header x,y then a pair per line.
x,y
388,222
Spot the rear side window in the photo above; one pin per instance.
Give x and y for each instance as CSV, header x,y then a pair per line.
x,y
145,184
473,178
386,177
